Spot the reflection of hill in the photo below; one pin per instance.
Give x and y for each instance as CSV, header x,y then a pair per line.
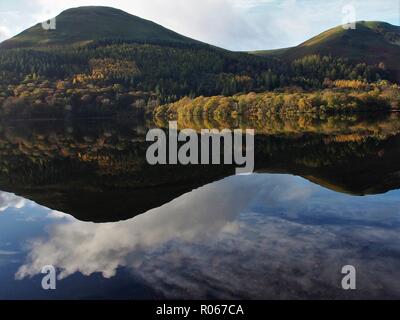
x,y
98,172
369,166
94,172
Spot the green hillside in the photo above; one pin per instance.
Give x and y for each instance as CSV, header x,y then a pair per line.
x,y
85,24
270,53
101,61
371,42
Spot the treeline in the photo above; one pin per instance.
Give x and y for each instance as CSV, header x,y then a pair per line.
x,y
73,98
170,71
112,77
342,97
174,71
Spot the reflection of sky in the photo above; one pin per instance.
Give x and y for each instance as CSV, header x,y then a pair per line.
x,y
259,236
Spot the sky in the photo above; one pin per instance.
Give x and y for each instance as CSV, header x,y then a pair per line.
x,y
231,24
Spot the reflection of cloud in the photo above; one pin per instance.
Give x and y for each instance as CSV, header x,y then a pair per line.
x,y
274,258
7,253
9,200
102,248
242,237
54,214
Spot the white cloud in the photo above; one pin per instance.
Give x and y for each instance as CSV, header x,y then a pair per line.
x,y
9,200
5,33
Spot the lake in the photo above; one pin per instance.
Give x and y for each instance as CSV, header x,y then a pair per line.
x,y
79,195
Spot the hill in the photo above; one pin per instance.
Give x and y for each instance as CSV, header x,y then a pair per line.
x,y
101,61
371,42
86,24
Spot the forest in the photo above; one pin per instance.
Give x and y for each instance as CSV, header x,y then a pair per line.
x,y
107,78
340,96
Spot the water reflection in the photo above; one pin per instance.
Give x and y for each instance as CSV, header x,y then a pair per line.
x,y
321,199
261,236
98,172
9,200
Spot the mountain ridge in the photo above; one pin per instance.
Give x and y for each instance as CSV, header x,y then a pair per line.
x,y
101,61
81,25
371,42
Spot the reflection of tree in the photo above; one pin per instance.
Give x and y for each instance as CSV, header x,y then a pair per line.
x,y
340,127
91,169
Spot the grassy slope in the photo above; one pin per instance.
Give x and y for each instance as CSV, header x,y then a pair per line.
x,y
84,24
371,42
270,53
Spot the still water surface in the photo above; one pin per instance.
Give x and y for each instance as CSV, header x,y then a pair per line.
x,y
81,197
